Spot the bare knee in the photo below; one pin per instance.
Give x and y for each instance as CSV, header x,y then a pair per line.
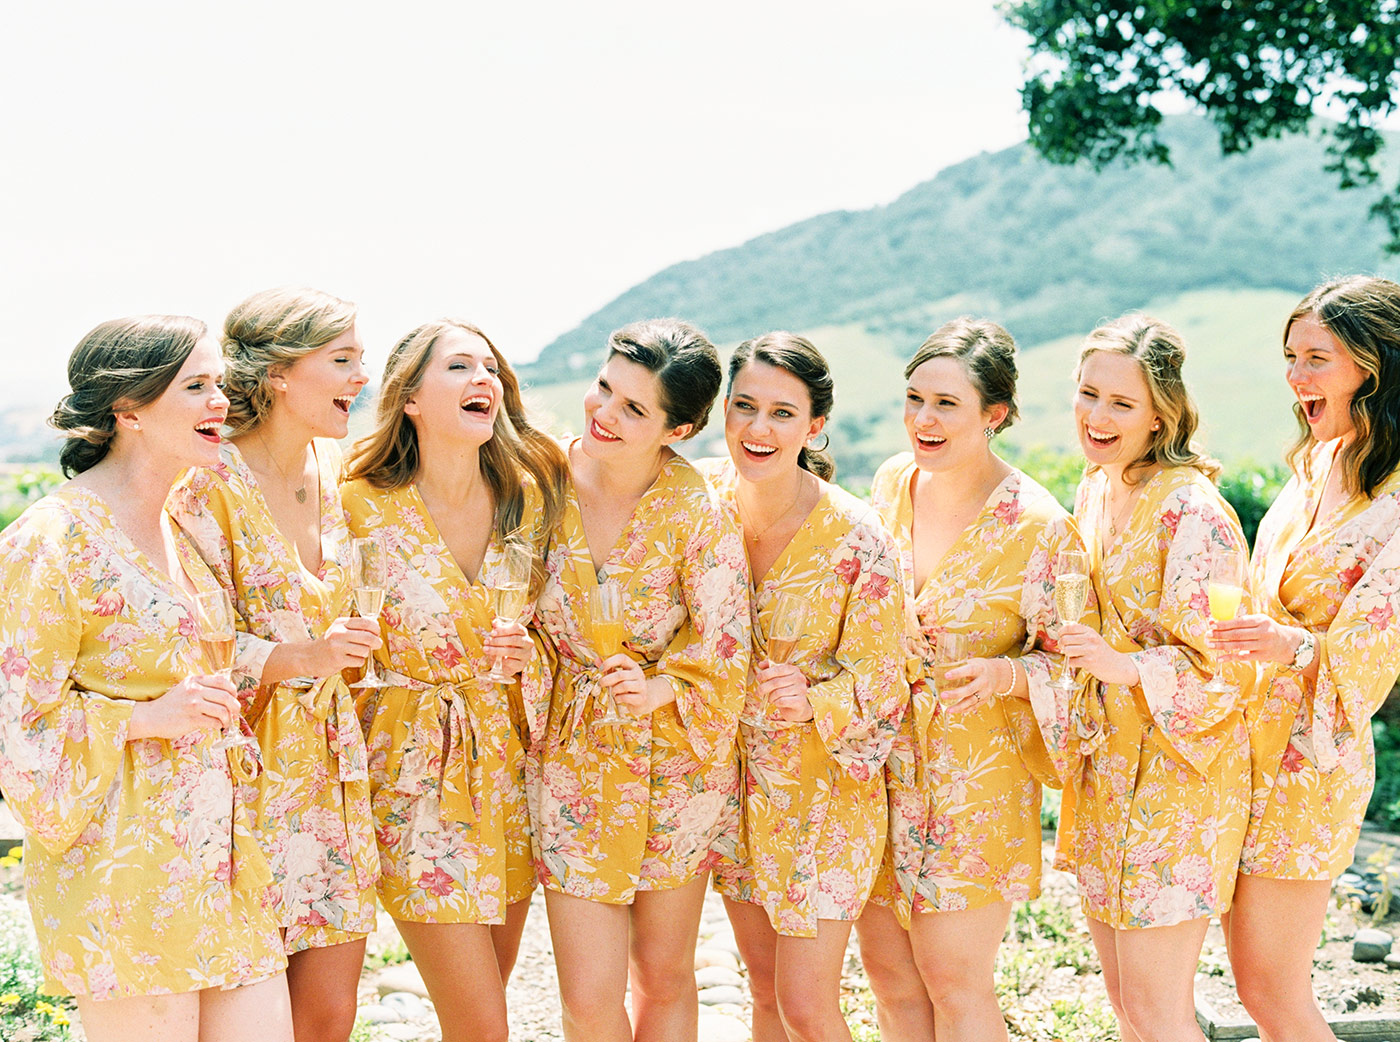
x,y
808,1016
323,1017
957,991
666,983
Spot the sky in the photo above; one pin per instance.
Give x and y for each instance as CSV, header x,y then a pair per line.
x,y
517,165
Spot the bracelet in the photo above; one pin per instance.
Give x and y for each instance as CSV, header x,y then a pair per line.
x,y
1011,686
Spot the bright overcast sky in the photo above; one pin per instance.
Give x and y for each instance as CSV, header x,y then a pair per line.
x,y
515,164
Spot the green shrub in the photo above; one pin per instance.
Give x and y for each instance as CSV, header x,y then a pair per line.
x,y
25,1012
1384,808
17,491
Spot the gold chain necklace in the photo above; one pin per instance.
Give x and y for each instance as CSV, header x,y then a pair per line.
x,y
757,537
300,492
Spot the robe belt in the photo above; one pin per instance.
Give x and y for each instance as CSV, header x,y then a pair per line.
x,y
449,746
248,868
1087,716
590,699
328,701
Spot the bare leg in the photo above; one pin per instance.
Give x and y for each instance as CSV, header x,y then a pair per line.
x,y
956,953
809,983
1105,943
902,1007
458,964
590,957
141,1018
665,928
758,944
505,937
224,1016
323,983
1156,969
1271,932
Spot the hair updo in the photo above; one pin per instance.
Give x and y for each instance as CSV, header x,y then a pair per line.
x,y
120,365
684,361
988,355
267,333
800,357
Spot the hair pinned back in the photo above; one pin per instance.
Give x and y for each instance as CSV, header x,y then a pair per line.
x,y
123,364
988,354
684,361
798,356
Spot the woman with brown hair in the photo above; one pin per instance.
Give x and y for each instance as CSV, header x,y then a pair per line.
x,y
110,714
824,700
452,473
979,541
1152,750
1324,570
269,522
628,812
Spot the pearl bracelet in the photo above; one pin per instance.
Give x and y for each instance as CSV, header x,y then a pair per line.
x,y
1011,686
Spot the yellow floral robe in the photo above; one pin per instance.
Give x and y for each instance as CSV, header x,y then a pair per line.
x,y
446,760
1156,788
141,873
969,836
814,805
311,803
639,806
1314,762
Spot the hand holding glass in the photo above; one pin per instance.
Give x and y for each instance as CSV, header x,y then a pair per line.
x,y
951,651
218,638
605,621
510,595
1071,595
1224,590
368,579
785,628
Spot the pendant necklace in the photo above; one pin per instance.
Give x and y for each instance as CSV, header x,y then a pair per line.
x,y
300,492
757,537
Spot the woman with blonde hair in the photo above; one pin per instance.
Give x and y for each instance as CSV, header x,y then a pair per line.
x,y
150,900
823,712
269,522
1324,571
1154,754
451,474
628,812
979,542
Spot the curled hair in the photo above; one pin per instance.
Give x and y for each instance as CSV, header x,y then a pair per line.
x,y
686,365
389,456
1363,313
267,333
123,364
988,354
1160,354
798,356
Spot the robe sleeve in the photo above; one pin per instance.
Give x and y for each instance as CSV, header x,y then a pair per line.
x,y
1358,655
61,748
857,712
1189,721
207,509
707,661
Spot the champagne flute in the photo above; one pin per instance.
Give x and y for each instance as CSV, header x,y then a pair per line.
x,y
368,579
951,651
1224,590
605,621
1071,595
510,594
785,628
218,639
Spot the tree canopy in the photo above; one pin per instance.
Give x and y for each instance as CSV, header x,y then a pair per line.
x,y
1258,68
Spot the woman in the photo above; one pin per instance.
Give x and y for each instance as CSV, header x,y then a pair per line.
x,y
451,470
150,901
269,523
1324,576
628,813
979,541
814,809
1154,760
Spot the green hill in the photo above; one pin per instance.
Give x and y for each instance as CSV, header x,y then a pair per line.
x,y
1220,247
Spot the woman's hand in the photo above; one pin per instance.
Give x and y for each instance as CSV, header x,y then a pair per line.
x,y
783,688
510,647
348,644
978,680
1258,638
1086,649
204,700
633,690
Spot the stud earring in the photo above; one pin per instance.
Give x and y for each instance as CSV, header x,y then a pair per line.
x,y
989,433
136,425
